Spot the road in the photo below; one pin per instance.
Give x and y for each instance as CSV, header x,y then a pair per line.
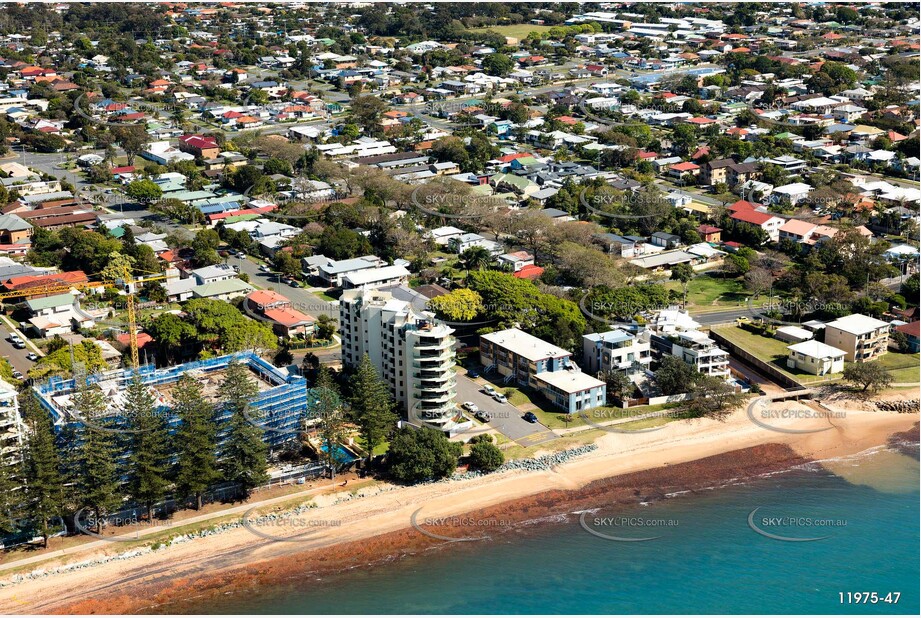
x,y
722,317
16,357
506,418
301,299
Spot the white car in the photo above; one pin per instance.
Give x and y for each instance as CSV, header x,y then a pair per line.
x,y
469,406
489,390
32,356
500,397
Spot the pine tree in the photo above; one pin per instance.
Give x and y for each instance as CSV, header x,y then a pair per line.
x,y
10,497
371,405
244,455
196,467
150,454
98,483
42,468
327,402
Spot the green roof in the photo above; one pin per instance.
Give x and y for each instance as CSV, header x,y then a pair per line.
x,y
236,218
117,232
49,302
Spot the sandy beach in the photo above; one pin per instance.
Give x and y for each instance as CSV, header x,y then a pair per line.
x,y
362,530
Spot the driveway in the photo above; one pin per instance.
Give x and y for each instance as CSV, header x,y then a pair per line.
x,y
506,418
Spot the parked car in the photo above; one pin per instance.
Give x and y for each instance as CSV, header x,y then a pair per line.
x,y
19,344
294,284
32,356
473,374
264,268
500,397
489,390
469,406
530,417
483,416
17,374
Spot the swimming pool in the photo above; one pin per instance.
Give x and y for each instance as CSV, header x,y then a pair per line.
x,y
341,454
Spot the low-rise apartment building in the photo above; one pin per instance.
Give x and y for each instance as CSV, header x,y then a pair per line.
x,y
615,350
529,361
861,337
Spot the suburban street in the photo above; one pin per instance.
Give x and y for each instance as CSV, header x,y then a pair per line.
x,y
301,299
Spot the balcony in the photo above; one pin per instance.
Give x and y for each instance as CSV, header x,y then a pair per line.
x,y
435,397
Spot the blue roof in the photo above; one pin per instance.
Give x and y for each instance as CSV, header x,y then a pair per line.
x,y
214,208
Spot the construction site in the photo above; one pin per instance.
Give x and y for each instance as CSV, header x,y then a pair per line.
x,y
281,407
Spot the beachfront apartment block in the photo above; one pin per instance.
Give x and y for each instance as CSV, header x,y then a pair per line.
x,y
529,361
12,427
412,351
615,350
861,337
698,350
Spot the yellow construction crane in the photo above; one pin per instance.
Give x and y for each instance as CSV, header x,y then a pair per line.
x,y
120,284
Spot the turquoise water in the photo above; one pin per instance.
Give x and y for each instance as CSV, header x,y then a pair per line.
x,y
708,561
341,454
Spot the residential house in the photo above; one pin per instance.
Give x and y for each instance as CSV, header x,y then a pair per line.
x,y
815,357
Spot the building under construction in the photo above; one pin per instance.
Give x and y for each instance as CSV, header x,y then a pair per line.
x,y
281,408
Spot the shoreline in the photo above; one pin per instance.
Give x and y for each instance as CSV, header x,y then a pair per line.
x,y
685,456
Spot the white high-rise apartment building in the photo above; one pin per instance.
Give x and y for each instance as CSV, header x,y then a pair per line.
x,y
412,350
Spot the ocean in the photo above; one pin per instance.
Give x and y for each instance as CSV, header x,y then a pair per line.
x,y
704,556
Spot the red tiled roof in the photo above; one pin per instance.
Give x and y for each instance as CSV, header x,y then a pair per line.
x,y
288,317
912,328
752,216
143,339
530,272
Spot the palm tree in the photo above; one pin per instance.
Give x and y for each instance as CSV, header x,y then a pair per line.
x,y
476,258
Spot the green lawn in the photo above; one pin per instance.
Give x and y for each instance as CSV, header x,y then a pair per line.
x,y
706,291
902,367
518,31
770,350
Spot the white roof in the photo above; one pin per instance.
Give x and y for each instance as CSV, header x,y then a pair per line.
x,y
525,345
569,381
857,324
795,331
815,349
370,275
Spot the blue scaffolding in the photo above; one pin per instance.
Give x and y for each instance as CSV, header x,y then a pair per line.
x,y
280,411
